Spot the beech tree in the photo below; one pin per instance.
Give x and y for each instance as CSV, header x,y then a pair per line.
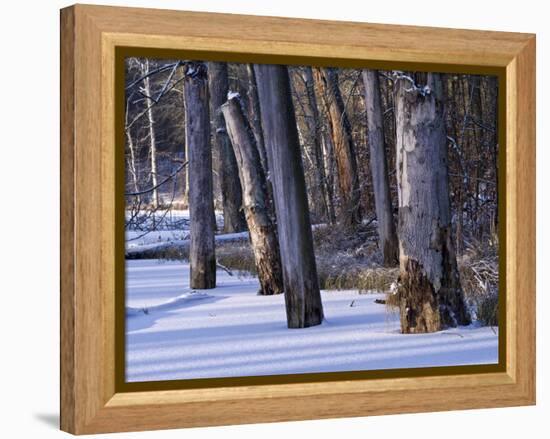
x,y
429,289
231,192
387,237
263,233
202,257
302,295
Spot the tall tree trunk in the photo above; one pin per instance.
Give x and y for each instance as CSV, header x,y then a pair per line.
x,y
315,127
132,162
186,153
302,295
379,168
476,131
348,181
263,233
201,196
152,137
429,287
233,217
462,178
254,115
328,164
490,117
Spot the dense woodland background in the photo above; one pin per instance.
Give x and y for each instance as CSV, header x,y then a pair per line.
x,y
352,129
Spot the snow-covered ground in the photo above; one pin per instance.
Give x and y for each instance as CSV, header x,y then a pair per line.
x,y
173,232
175,333
169,238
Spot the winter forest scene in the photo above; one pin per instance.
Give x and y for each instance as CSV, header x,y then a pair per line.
x,y
301,219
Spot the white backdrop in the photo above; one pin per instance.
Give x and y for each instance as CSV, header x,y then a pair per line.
x,y
29,181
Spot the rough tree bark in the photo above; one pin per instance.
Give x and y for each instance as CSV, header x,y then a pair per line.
x,y
152,137
429,287
186,153
254,115
230,186
489,114
379,168
263,233
302,295
202,257
314,124
348,181
328,163
453,99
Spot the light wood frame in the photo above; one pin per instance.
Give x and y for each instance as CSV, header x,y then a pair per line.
x,y
89,38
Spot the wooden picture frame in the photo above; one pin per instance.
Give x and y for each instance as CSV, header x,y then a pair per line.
x,y
91,399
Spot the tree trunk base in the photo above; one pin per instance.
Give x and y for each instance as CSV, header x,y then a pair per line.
x,y
204,280
418,305
422,309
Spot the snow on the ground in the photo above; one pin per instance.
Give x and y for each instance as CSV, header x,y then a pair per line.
x,y
174,231
171,226
176,302
167,238
137,238
231,331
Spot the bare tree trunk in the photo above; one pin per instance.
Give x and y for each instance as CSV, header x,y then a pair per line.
x,y
233,218
429,287
461,186
379,168
315,127
490,115
302,295
132,161
263,233
201,197
132,149
475,110
254,115
152,138
328,164
348,181
186,152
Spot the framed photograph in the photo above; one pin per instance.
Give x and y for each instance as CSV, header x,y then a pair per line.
x,y
267,219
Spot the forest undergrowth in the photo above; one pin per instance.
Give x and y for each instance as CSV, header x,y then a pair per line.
x,y
349,259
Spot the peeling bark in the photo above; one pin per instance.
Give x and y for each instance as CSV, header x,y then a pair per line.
x,y
263,233
429,287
